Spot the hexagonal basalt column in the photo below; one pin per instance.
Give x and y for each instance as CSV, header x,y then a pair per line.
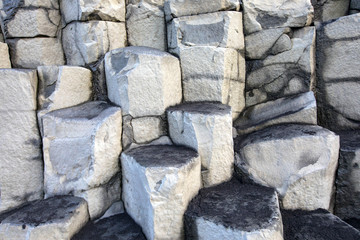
x,y
158,183
207,128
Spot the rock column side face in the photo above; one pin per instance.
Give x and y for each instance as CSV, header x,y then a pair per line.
x,y
4,56
325,10
81,147
347,203
206,128
354,7
298,160
158,183
21,164
211,51
338,73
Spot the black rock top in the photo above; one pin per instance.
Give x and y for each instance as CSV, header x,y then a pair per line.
x,y
208,108
349,140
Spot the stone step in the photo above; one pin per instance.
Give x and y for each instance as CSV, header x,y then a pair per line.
x,y
234,211
158,183
117,227
299,161
207,128
318,224
56,218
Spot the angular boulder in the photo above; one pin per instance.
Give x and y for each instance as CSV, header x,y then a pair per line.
x,y
4,56
158,183
207,128
299,161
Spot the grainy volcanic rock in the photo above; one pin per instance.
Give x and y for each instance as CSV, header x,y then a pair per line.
x,y
207,128
50,219
298,160
234,211
158,183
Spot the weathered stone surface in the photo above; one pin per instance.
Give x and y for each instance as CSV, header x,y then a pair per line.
x,y
300,108
34,52
348,176
81,147
265,14
115,209
118,227
354,7
325,10
319,224
9,5
163,140
159,3
147,129
83,10
298,160
338,73
145,25
177,8
158,184
143,81
99,80
50,219
4,56
87,42
284,74
234,211
207,128
1,37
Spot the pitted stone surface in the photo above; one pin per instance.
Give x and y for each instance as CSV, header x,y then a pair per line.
x,y
51,219
234,211
298,160
146,129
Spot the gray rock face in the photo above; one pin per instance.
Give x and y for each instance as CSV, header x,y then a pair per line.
x,y
99,80
300,108
4,56
298,160
158,183
286,73
234,211
207,128
81,148
347,203
118,227
325,10
338,73
319,224
50,219
354,7
21,164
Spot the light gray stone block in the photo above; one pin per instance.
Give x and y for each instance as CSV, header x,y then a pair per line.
x,y
325,10
4,56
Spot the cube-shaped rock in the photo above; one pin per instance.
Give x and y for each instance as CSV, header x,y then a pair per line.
x,y
21,164
34,52
50,219
81,147
286,68
338,73
300,161
87,42
207,128
83,10
330,9
4,56
265,14
143,81
234,211
158,183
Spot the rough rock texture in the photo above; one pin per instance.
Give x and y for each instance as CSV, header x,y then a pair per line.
x,y
158,183
118,227
325,10
298,160
147,129
300,108
87,42
265,14
288,72
207,128
354,7
99,80
4,56
81,147
1,37
178,8
84,10
319,225
21,165
145,25
234,211
50,219
347,203
143,81
34,52
338,73
115,209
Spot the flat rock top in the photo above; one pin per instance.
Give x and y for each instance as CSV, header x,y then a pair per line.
x,y
318,224
235,205
162,155
349,140
208,108
47,211
118,227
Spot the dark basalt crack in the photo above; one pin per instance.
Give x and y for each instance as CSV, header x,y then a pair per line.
x,y
208,108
